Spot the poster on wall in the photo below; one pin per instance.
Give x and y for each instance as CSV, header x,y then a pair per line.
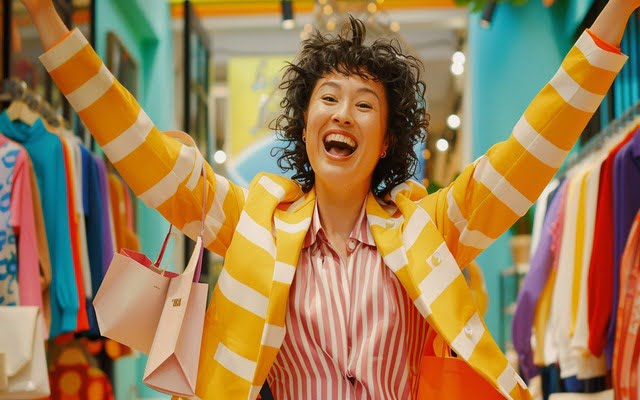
x,y
254,104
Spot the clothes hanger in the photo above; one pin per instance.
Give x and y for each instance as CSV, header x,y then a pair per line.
x,y
24,107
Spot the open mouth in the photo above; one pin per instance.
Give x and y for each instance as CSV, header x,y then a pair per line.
x,y
339,145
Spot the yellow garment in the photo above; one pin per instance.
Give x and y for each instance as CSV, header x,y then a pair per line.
x,y
579,250
541,318
422,238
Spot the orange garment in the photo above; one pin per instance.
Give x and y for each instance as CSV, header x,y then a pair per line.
x,y
119,209
131,237
82,323
43,248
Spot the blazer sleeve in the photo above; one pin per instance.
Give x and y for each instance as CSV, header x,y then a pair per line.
x,y
500,186
164,173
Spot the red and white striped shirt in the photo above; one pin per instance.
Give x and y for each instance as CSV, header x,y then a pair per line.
x,y
352,331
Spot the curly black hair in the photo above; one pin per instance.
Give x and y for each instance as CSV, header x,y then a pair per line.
x,y
382,61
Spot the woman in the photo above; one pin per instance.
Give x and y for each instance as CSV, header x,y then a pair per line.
x,y
331,285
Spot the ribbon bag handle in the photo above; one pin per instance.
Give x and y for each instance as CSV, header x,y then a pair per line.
x,y
188,141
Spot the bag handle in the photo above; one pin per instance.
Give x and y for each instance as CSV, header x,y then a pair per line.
x,y
188,141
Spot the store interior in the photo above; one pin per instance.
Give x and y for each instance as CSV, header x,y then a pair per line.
x,y
211,68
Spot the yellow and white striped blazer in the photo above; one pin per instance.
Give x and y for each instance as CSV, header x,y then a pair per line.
x,y
260,231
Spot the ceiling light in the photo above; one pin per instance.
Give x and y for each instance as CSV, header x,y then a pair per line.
x,y
457,69
458,57
442,145
487,14
288,22
453,121
220,157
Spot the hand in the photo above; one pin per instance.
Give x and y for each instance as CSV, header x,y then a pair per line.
x,y
34,6
46,20
611,23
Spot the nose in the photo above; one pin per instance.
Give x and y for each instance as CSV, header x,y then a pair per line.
x,y
342,116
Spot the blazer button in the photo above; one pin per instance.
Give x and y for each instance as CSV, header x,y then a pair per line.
x,y
436,259
389,225
468,331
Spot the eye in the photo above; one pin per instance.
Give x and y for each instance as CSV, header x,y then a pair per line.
x,y
364,105
329,98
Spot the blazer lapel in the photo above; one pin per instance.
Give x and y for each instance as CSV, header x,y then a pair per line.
x,y
290,226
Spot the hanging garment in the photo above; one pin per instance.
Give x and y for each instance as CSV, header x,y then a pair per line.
x,y
626,202
588,365
532,286
20,282
107,232
93,208
43,248
627,340
45,150
600,281
545,353
82,322
560,320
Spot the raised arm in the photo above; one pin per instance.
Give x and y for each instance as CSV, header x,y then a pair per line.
x,y
612,21
48,23
497,189
161,171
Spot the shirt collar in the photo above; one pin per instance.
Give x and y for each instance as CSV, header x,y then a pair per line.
x,y
361,230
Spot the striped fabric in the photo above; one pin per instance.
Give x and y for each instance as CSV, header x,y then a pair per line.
x,y
352,331
422,239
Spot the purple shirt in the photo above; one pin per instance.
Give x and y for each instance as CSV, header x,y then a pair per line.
x,y
108,250
626,201
541,265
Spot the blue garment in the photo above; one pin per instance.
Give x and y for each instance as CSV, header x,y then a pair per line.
x,y
45,150
573,385
92,202
550,380
93,208
626,203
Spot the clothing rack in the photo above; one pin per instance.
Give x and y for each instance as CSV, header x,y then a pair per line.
x,y
601,137
17,90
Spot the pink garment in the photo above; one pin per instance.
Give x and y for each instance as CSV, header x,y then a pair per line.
x,y
352,331
22,221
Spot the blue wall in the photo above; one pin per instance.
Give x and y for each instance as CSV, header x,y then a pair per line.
x,y
509,64
144,27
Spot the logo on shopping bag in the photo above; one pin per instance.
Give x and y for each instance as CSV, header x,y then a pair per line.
x,y
176,302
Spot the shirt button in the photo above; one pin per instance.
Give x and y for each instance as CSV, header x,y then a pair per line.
x,y
352,245
389,225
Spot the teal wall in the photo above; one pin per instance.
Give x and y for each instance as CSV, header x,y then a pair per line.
x,y
144,27
509,64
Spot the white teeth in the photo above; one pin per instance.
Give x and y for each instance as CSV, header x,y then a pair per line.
x,y
336,137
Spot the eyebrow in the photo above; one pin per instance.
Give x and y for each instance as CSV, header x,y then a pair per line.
x,y
359,90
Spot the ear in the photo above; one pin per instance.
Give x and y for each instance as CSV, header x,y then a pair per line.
x,y
385,145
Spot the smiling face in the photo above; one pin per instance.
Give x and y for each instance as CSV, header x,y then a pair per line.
x,y
346,124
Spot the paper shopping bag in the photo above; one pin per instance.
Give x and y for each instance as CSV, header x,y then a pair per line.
x,y
25,374
172,366
129,301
